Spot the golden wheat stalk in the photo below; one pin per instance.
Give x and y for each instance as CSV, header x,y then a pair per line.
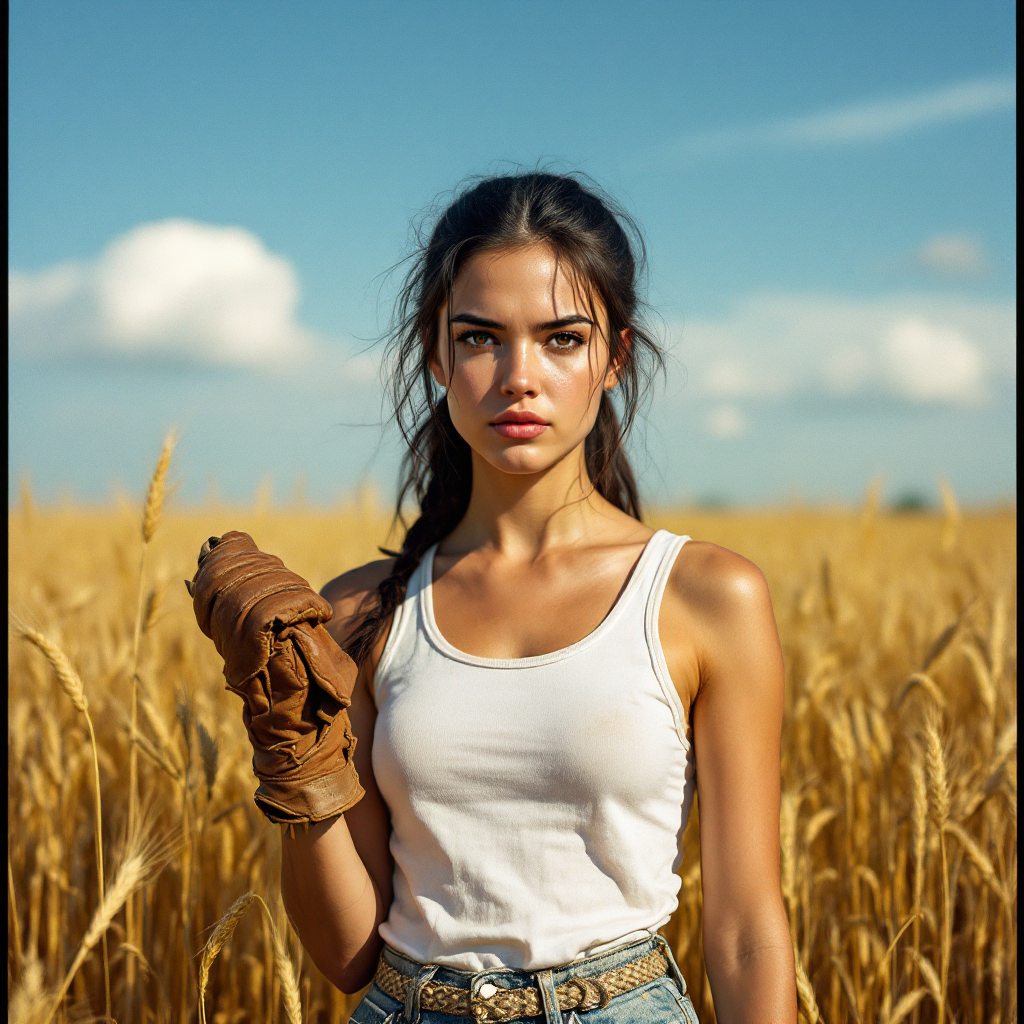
x,y
939,791
144,855
223,931
15,922
218,939
164,741
919,826
806,1003
977,857
151,515
906,1005
951,522
157,489
72,685
997,641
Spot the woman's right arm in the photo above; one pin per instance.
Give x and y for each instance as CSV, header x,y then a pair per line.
x,y
336,878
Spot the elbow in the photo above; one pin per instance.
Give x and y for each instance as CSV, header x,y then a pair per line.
x,y
732,950
349,980
353,974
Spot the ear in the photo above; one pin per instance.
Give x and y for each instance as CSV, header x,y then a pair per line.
x,y
434,362
611,377
436,370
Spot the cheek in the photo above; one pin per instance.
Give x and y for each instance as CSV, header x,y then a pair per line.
x,y
472,380
571,384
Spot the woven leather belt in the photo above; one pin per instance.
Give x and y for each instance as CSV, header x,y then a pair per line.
x,y
505,1004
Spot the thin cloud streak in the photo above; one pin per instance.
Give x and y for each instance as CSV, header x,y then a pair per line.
x,y
858,123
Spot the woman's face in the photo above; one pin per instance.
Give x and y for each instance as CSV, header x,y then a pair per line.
x,y
528,364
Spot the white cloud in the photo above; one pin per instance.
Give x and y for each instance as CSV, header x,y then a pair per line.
x,y
731,378
173,290
933,364
916,349
860,123
952,256
726,421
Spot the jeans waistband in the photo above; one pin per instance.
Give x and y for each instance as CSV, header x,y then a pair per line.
x,y
545,980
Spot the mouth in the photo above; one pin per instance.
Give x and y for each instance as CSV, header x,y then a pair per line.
x,y
519,426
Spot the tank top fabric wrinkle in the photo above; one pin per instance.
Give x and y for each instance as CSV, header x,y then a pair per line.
x,y
537,804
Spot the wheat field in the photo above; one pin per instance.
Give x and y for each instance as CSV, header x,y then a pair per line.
x,y
140,872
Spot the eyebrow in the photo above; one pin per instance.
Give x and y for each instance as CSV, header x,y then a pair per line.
x,y
550,325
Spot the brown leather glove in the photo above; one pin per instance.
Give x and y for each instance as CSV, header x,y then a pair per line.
x,y
266,623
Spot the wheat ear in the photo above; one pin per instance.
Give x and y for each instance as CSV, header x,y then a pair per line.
x,y
157,489
919,823
807,1004
223,931
155,498
151,514
71,682
951,519
144,856
939,786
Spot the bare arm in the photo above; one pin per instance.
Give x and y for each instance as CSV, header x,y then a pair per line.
x,y
336,878
735,661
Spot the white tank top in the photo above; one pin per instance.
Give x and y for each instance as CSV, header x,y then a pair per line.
x,y
537,804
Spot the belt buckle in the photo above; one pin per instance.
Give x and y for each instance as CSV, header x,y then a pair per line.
x,y
593,993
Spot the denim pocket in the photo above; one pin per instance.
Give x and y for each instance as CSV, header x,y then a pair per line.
x,y
686,1006
657,1002
376,1008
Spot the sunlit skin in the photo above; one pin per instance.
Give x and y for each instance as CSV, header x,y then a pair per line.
x,y
541,552
518,346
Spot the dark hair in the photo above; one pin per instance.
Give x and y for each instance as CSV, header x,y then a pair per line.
x,y
590,233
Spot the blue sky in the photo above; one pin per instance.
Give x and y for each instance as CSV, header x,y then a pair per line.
x,y
204,196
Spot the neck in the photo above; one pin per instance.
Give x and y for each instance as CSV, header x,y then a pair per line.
x,y
522,515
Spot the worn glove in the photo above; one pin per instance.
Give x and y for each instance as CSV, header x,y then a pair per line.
x,y
296,682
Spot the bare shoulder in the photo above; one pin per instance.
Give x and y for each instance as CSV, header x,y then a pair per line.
x,y
714,587
718,605
351,592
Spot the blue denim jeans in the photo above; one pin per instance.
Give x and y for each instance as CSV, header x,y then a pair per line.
x,y
662,1001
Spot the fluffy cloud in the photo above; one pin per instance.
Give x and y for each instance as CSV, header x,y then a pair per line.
x,y
911,349
726,421
175,290
952,256
933,364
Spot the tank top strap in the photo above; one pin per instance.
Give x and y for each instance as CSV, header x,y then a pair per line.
x,y
404,620
661,569
647,581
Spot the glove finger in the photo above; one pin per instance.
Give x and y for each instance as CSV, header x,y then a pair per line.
x,y
207,547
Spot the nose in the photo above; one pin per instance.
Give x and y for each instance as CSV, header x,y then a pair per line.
x,y
520,371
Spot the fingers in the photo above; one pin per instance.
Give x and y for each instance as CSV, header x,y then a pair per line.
x,y
207,547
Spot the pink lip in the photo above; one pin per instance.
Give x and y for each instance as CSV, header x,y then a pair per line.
x,y
519,425
520,431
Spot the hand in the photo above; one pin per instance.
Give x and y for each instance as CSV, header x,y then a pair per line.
x,y
267,624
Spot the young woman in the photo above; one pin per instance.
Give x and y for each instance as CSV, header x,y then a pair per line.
x,y
539,673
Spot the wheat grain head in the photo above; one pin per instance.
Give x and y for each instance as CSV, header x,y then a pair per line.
x,y
68,678
157,490
222,931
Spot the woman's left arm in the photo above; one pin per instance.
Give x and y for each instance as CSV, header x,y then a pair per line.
x,y
735,666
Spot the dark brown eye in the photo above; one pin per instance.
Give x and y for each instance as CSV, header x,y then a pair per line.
x,y
475,339
565,340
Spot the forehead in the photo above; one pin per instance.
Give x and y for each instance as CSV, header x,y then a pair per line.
x,y
530,282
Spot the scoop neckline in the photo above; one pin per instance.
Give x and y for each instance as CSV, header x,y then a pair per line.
x,y
426,599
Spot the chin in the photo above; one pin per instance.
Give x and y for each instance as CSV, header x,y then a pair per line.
x,y
518,460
